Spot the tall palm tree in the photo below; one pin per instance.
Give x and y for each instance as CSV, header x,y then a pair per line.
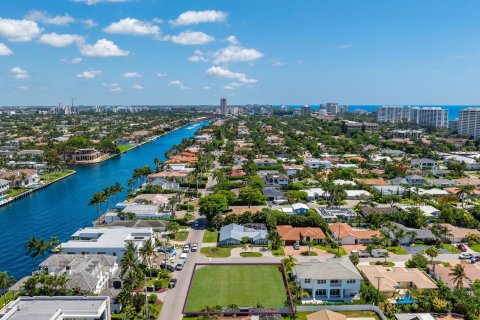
x,y
97,200
432,252
289,262
5,282
458,275
147,251
464,191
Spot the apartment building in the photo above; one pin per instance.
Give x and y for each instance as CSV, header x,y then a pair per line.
x,y
469,122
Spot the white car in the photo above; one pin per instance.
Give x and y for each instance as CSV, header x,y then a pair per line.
x,y
464,255
195,247
186,248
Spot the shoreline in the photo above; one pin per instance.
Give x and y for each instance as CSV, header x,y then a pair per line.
x,y
30,191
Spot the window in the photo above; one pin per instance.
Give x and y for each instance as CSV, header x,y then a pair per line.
x,y
334,281
351,281
306,280
334,292
321,292
321,281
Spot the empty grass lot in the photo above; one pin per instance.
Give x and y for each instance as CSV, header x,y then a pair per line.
x,y
210,236
242,285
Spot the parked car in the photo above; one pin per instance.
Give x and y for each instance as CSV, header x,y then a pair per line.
x,y
296,246
280,201
462,247
476,258
186,248
167,266
180,265
194,247
361,253
464,255
173,283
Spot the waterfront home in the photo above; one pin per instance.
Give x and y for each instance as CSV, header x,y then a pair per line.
x,y
178,176
347,235
158,199
328,279
291,235
4,186
111,241
391,279
82,155
204,138
164,184
88,273
410,234
332,214
233,234
22,178
58,308
141,211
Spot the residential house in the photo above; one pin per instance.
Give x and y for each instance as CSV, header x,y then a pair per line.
x,y
141,211
390,190
278,179
23,178
328,279
300,208
410,234
332,214
435,192
314,163
367,210
58,308
347,235
392,153
291,235
357,194
164,183
292,169
428,211
411,180
265,162
442,183
233,234
457,234
442,272
391,279
326,314
274,194
4,186
111,241
88,273
424,163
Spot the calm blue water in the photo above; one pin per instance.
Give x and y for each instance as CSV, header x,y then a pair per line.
x,y
61,209
453,111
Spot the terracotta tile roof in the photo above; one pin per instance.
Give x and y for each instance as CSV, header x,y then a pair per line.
x,y
289,233
342,230
374,182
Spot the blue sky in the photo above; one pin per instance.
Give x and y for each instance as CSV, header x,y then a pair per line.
x,y
264,51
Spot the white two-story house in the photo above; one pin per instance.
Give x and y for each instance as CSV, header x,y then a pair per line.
x,y
328,279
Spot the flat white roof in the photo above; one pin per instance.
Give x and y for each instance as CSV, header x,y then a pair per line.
x,y
107,237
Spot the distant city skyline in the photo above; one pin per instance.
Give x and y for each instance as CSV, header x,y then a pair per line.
x,y
148,52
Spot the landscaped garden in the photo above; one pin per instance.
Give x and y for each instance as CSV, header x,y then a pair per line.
x,y
236,285
216,252
52,176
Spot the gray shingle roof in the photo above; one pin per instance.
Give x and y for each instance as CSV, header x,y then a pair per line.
x,y
327,269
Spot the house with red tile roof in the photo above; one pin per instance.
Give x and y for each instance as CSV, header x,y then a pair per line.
x,y
291,235
348,235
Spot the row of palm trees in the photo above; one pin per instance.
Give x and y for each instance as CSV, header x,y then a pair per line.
x,y
104,196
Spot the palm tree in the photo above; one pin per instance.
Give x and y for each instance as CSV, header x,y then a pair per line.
x,y
245,241
458,275
432,252
5,282
39,247
108,191
310,244
464,192
289,262
147,251
96,200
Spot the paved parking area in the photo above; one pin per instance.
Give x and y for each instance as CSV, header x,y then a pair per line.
x,y
350,247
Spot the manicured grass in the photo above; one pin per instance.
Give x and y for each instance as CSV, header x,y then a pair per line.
x,y
279,252
124,148
7,296
216,252
451,248
242,285
15,192
309,253
157,308
397,250
210,236
250,254
340,250
181,236
385,264
475,247
52,176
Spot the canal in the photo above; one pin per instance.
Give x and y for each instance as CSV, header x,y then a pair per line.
x,y
61,208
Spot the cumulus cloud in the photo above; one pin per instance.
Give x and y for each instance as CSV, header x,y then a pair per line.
x,y
19,74
61,40
134,27
45,18
178,84
232,86
72,60
4,50
89,23
235,54
196,17
93,2
103,48
137,87
233,40
206,88
161,75
225,73
131,75
112,87
89,74
197,57
19,30
191,38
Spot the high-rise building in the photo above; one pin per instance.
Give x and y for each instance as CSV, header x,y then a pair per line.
x,y
305,110
223,106
333,108
469,122
424,117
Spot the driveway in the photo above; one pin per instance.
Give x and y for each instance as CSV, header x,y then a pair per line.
x,y
263,250
290,251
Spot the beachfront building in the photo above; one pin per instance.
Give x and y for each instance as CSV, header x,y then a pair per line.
x,y
4,186
424,117
111,241
82,155
469,122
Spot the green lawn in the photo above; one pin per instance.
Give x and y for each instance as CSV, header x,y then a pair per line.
x,y
216,252
397,250
181,236
124,148
453,249
340,250
52,176
279,252
210,236
15,192
7,296
242,285
120,316
250,254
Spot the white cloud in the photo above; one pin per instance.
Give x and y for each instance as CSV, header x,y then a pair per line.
x,y
19,30
89,74
43,17
4,50
191,38
72,60
161,75
233,40
131,75
23,87
196,17
134,27
225,73
278,63
103,48
178,83
235,54
19,73
112,87
206,88
198,56
89,23
92,2
157,20
232,86
137,87
61,40
345,46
